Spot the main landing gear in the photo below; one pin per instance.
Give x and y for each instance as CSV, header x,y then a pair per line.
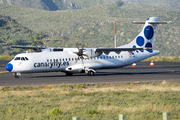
x,y
89,72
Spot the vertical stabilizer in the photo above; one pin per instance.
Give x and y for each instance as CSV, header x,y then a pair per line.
x,y
146,37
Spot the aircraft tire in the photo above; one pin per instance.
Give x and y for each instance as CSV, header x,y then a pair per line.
x,y
69,74
90,73
16,75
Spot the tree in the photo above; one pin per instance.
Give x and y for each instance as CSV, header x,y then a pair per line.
x,y
119,3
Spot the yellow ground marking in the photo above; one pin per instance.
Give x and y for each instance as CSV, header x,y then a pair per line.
x,y
4,71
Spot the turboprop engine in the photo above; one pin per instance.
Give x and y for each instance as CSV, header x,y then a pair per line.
x,y
91,53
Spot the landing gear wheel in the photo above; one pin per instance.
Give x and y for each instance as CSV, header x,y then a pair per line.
x,y
90,73
17,75
69,74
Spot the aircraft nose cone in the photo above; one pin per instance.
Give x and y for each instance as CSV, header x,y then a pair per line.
x,y
9,67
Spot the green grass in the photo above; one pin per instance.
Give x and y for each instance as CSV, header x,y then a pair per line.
x,y
6,57
164,59
140,100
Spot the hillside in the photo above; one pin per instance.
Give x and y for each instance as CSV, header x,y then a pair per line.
x,y
51,5
95,25
90,3
161,3
12,33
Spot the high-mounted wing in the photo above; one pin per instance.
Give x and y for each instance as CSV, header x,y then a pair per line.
x,y
28,47
37,48
117,50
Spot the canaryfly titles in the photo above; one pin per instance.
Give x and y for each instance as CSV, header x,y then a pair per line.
x,y
51,64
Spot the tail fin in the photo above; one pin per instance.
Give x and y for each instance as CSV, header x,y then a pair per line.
x,y
146,37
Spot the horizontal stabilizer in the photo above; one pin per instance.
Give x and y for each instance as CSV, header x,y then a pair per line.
x,y
153,22
135,22
161,22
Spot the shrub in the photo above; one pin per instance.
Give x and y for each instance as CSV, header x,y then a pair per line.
x,y
55,111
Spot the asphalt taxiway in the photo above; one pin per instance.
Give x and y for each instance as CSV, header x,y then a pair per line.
x,y
169,71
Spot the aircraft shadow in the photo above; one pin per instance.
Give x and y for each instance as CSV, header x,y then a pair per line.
x,y
107,74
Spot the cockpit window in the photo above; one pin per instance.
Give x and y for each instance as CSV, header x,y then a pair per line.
x,y
21,58
17,58
26,58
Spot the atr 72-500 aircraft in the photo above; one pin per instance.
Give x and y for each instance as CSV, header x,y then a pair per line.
x,y
87,60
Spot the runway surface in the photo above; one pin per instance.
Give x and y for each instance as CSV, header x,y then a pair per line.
x,y
169,71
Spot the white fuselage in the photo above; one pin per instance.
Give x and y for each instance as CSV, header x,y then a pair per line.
x,y
62,61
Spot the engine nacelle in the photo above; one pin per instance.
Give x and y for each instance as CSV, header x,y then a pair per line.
x,y
91,53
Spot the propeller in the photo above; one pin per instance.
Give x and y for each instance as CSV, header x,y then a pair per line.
x,y
80,52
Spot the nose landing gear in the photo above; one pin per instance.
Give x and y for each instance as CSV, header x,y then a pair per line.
x,y
17,75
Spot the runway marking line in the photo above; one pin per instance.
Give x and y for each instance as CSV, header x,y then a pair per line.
x,y
4,71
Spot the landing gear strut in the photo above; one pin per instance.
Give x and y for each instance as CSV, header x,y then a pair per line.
x,y
89,72
17,75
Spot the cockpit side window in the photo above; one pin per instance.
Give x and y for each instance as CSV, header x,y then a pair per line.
x,y
26,58
17,58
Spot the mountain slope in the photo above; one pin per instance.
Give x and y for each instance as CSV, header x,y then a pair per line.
x,y
51,5
162,3
95,25
12,33
90,3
